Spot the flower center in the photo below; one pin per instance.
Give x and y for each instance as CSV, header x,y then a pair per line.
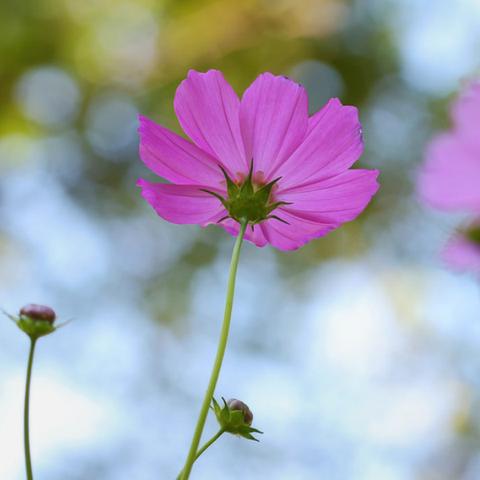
x,y
248,200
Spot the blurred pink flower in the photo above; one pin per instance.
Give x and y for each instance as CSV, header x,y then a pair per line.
x,y
462,254
265,142
450,177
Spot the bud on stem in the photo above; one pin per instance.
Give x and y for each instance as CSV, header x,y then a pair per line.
x,y
235,417
35,320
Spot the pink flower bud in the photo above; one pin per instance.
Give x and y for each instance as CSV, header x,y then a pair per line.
x,y
38,313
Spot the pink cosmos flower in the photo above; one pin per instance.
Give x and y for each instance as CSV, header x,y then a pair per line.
x,y
450,178
462,254
261,158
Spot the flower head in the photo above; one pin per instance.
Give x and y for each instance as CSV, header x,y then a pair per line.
x,y
35,320
261,159
450,178
462,253
235,417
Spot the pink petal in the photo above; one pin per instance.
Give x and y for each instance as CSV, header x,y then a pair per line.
x,y
316,209
335,200
255,236
450,178
466,115
273,119
332,144
208,111
462,255
182,203
297,233
319,207
174,158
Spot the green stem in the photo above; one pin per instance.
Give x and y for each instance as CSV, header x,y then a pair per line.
x,y
26,426
210,442
222,344
204,447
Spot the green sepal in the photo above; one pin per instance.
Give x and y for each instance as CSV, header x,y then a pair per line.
x,y
215,407
247,186
263,193
232,421
232,188
279,219
223,218
216,195
273,206
11,317
247,201
34,328
247,433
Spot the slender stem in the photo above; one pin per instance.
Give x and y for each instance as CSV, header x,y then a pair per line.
x,y
205,446
210,442
26,426
222,344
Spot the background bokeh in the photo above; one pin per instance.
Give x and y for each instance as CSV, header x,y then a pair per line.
x,y
358,354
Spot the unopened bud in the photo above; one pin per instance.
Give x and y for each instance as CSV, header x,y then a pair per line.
x,y
235,417
235,404
35,320
40,313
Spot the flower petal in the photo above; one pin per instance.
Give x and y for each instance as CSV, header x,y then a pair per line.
x,y
462,255
182,203
273,119
208,111
296,233
336,199
174,158
332,144
315,210
450,177
466,114
319,207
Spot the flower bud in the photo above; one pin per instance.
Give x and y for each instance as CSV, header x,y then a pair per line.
x,y
235,404
38,313
235,417
35,320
